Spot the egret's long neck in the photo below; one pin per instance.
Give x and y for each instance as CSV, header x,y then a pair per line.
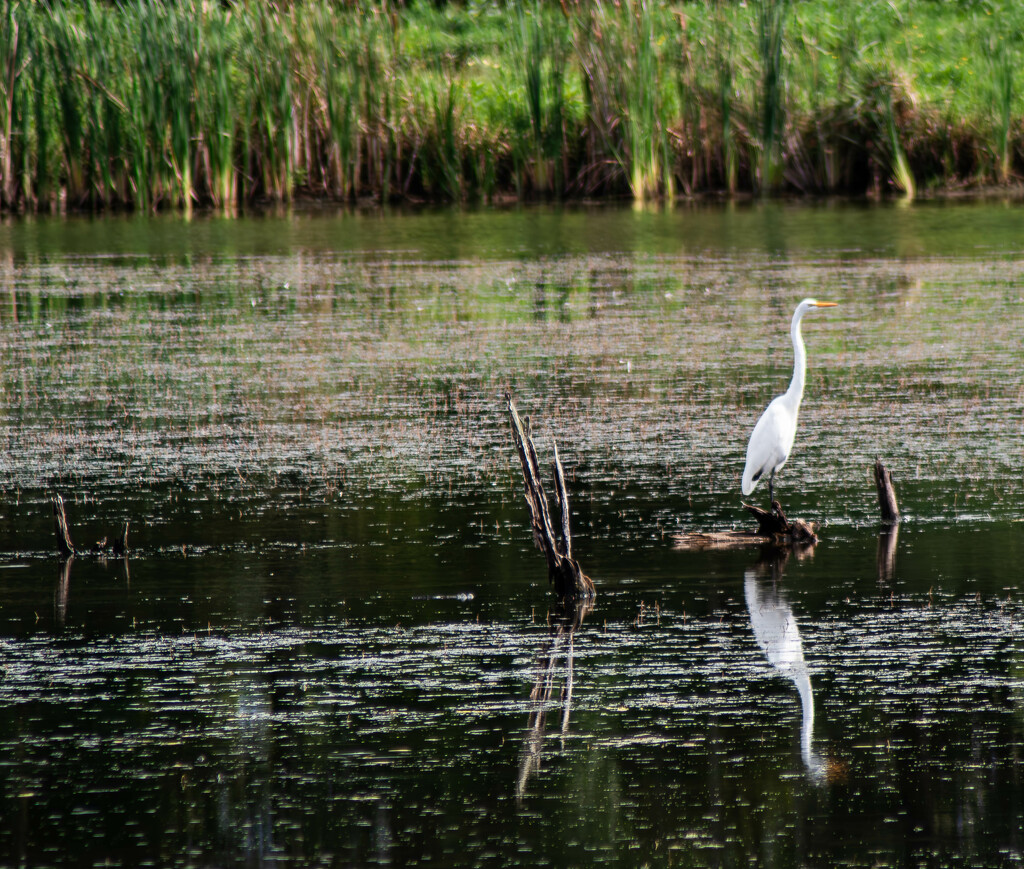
x,y
796,385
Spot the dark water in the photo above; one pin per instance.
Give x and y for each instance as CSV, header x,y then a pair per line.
x,y
324,645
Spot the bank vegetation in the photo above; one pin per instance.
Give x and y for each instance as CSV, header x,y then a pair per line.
x,y
149,104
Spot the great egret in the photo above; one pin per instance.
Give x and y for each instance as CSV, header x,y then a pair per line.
x,y
773,435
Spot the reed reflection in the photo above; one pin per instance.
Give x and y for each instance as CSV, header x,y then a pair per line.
x,y
776,632
559,643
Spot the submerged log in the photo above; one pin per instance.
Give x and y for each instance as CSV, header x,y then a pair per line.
x,y
564,571
773,529
886,493
717,539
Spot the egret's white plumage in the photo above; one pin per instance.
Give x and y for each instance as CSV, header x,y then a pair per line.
x,y
773,435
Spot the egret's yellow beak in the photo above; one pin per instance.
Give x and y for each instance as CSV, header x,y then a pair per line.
x,y
825,304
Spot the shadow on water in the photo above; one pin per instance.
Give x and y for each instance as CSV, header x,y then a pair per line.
x,y
559,642
776,632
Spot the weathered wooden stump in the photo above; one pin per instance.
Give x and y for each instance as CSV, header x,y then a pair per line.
x,y
889,534
777,527
564,571
65,545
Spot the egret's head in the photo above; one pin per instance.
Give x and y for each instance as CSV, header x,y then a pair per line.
x,y
809,305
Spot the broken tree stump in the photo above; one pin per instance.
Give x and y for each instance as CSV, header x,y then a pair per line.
x,y
65,545
564,572
886,494
776,526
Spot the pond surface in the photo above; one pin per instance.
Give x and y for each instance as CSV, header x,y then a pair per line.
x,y
333,642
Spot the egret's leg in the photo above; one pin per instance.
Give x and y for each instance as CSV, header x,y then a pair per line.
x,y
771,494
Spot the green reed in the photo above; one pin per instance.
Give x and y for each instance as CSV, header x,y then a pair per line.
x,y
650,168
540,47
267,99
12,26
335,86
34,161
379,99
723,43
1001,45
150,104
443,175
217,66
622,68
63,48
771,30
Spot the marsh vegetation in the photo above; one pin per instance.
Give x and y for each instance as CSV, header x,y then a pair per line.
x,y
147,104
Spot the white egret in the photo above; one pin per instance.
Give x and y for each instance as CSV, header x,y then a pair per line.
x,y
774,433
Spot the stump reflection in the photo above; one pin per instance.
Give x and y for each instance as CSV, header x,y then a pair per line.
x,y
558,644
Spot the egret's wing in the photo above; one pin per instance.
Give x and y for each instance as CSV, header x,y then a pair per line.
x,y
769,444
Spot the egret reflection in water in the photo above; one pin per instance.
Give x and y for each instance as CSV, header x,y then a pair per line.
x,y
776,632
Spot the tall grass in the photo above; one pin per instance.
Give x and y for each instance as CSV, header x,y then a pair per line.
x,y
10,70
218,126
335,84
902,174
267,101
540,47
150,104
442,147
724,45
1000,41
771,31
622,67
650,160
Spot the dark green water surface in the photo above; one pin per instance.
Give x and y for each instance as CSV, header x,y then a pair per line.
x,y
333,642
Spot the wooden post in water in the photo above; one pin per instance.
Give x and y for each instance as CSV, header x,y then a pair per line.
x,y
886,494
120,546
887,537
563,570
